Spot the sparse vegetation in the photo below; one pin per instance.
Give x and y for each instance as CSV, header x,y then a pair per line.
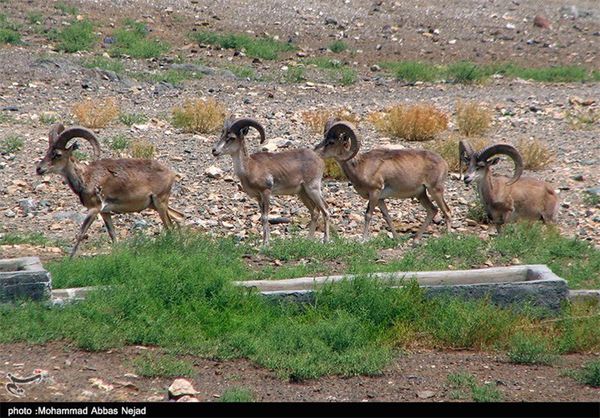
x,y
65,8
199,116
34,17
461,383
469,72
316,119
237,394
242,71
9,31
172,76
162,365
78,36
141,148
448,148
530,349
583,118
477,213
131,119
48,118
263,48
333,170
591,199
536,154
119,143
11,144
103,63
338,46
420,122
33,238
132,40
473,119
295,74
589,374
338,72
96,113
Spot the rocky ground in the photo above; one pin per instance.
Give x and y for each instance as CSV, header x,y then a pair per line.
x,y
36,81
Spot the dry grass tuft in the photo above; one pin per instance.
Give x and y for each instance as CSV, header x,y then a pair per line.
x,y
199,116
536,154
448,148
583,118
333,171
316,119
142,149
96,113
473,119
420,122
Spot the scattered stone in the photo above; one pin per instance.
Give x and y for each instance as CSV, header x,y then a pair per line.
x,y
9,213
425,394
27,205
330,21
375,68
187,398
181,387
213,172
541,22
578,177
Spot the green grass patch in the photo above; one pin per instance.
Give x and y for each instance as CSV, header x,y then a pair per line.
x,y
530,349
464,386
174,77
132,40
295,74
119,142
263,48
34,17
468,72
78,36
589,374
11,144
338,46
66,9
591,199
336,71
237,394
34,238
103,63
131,119
162,365
242,71
9,31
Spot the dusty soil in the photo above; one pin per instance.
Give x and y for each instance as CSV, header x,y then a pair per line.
x,y
35,79
73,375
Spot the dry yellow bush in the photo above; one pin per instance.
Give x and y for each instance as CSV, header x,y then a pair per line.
x,y
448,148
536,154
142,149
202,116
472,118
420,122
96,113
316,119
333,170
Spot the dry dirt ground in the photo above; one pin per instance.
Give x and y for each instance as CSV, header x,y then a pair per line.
x,y
412,377
35,79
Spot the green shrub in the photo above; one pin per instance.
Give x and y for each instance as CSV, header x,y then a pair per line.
x,y
338,46
159,365
590,374
412,71
78,36
11,144
237,394
65,8
263,48
530,349
104,63
34,17
131,119
119,143
464,72
132,40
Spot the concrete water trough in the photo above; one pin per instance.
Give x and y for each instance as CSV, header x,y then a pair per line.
x,y
23,278
504,286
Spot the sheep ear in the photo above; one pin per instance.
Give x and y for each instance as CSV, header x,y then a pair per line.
x,y
244,131
493,161
74,146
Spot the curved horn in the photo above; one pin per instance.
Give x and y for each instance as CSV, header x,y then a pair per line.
x,y
241,123
504,149
78,132
464,150
343,127
55,131
330,122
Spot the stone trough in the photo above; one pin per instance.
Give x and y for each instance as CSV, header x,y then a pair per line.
x,y
504,286
23,278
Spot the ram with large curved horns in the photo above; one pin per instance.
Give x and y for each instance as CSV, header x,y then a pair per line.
x,y
507,199
263,174
108,186
387,173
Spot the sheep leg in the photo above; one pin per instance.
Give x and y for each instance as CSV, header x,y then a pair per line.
x,y
163,211
314,212
431,212
437,194
388,219
373,201
264,215
314,193
110,228
89,219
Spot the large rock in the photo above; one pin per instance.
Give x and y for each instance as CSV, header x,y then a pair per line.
x,y
181,387
23,278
